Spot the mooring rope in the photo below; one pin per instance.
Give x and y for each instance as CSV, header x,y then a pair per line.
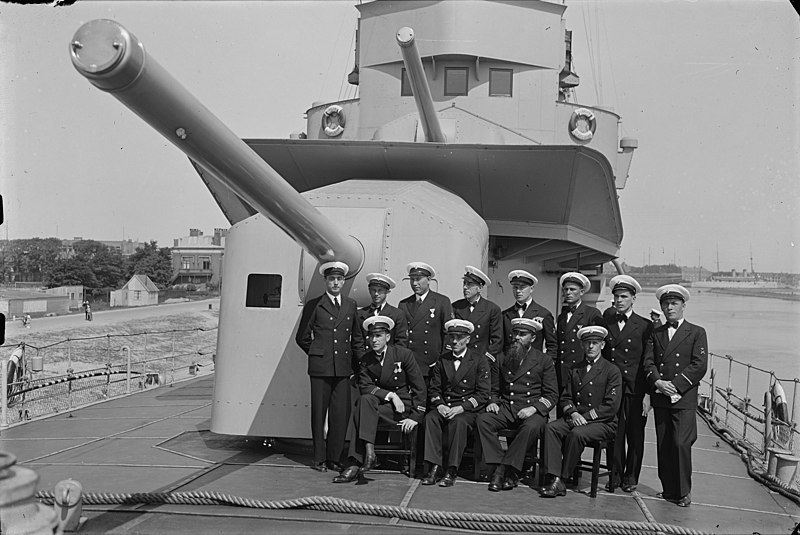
x,y
746,455
471,521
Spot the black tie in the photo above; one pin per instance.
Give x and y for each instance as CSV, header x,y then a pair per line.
x,y
622,318
673,324
375,310
521,306
336,302
566,308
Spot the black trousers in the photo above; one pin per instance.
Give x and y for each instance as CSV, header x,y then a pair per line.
x,y
676,432
528,431
458,430
564,443
330,396
369,410
629,442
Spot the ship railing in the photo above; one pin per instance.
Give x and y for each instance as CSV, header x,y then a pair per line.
x,y
39,381
737,398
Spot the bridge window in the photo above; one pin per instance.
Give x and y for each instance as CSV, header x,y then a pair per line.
x,y
205,262
455,81
500,81
263,291
186,262
405,85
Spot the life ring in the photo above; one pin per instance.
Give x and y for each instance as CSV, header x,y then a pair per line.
x,y
574,124
14,371
333,120
779,406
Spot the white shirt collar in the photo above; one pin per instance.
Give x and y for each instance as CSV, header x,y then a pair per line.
x,y
334,297
423,296
461,355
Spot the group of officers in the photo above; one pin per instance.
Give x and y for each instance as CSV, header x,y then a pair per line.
x,y
468,367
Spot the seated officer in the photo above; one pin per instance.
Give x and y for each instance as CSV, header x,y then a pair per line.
x,y
379,287
392,390
459,388
589,403
523,392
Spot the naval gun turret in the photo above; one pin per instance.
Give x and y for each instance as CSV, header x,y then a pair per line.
x,y
271,257
461,149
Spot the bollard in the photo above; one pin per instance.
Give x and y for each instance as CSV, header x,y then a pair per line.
x,y
193,369
19,512
772,459
68,506
786,467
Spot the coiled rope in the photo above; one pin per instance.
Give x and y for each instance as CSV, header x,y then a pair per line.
x,y
471,521
746,455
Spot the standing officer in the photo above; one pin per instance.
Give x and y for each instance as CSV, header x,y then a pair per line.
x,y
590,402
459,390
523,392
330,336
392,390
628,336
574,315
487,338
379,287
426,312
522,286
674,365
655,317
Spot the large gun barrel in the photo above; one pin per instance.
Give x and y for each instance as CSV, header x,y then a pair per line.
x,y
422,92
114,60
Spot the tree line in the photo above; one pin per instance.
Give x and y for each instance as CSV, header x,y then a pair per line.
x,y
96,266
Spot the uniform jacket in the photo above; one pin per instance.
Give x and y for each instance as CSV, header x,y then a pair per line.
x,y
426,327
331,339
545,339
399,373
488,321
570,349
595,394
682,360
469,386
400,331
532,385
626,349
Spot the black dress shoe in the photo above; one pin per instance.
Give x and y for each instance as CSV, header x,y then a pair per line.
x,y
433,475
556,488
686,501
668,498
333,466
628,487
349,475
320,466
370,462
510,480
498,478
449,478
610,487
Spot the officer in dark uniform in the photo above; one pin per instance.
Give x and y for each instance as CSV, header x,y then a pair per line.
x,y
675,364
522,286
379,286
655,317
330,336
426,312
523,392
628,336
459,390
574,315
487,338
590,402
392,390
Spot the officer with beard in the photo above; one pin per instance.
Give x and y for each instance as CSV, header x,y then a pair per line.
x,y
524,389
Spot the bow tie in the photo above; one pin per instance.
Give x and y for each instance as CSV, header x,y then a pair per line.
x,y
673,324
622,318
374,308
567,308
521,306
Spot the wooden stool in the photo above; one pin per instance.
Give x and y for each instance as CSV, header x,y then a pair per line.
x,y
398,443
532,457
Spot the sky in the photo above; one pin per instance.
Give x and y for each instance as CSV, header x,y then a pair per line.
x,y
710,89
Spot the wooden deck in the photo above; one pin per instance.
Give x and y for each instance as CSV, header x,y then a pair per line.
x,y
159,441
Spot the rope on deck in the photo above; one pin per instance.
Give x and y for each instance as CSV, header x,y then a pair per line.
x,y
471,521
746,455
